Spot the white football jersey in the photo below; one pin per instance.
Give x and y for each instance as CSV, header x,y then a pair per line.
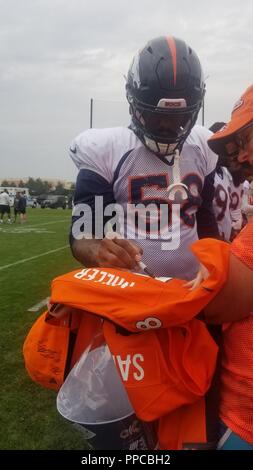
x,y
115,163
227,203
4,199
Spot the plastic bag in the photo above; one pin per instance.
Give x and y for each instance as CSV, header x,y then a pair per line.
x,y
94,397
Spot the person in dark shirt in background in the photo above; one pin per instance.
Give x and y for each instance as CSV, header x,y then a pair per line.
x,y
16,206
22,208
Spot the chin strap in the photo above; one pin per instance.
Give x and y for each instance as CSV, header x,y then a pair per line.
x,y
177,187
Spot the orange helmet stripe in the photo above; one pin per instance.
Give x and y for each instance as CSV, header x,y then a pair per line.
x,y
173,51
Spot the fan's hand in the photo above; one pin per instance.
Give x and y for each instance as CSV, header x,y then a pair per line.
x,y
202,275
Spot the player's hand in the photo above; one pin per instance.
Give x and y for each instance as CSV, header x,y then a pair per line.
x,y
117,252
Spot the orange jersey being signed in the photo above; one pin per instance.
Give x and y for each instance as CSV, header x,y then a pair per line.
x,y
138,302
167,367
168,361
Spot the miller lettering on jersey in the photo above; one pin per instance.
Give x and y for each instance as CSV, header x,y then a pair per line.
x,y
103,277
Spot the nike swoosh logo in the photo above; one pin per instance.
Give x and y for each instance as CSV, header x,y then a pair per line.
x,y
73,150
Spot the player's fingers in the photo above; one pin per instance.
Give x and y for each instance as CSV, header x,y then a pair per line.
x,y
111,254
132,248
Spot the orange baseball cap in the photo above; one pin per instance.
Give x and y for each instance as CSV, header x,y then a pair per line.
x,y
222,142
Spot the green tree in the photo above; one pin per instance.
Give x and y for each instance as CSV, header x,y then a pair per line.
x,y
47,187
31,184
39,186
60,190
6,184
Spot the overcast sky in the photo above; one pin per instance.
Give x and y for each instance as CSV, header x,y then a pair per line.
x,y
55,55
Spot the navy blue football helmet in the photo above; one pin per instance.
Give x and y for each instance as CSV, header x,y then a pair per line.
x,y
165,90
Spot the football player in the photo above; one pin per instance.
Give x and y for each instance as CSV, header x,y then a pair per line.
x,y
159,165
228,196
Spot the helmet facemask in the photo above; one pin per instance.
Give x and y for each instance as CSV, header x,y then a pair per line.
x,y
163,130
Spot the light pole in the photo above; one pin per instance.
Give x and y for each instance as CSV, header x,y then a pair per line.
x,y
91,113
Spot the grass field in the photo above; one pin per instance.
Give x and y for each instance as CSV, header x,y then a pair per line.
x,y
31,255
